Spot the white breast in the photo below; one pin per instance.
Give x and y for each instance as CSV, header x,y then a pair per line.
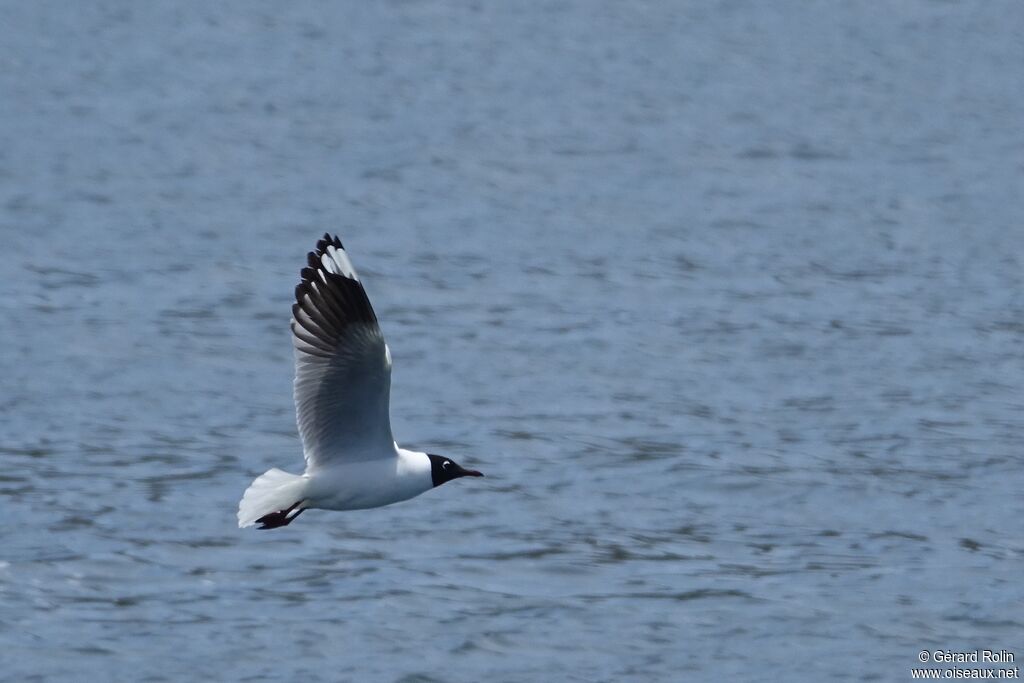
x,y
369,483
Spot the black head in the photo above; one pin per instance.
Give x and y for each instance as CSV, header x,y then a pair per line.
x,y
444,469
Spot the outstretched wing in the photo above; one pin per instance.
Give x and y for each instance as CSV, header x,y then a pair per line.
x,y
342,365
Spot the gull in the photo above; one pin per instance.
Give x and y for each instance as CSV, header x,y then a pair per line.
x,y
342,391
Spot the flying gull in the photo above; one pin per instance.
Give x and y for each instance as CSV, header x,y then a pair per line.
x,y
342,389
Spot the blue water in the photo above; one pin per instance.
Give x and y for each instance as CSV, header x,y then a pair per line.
x,y
725,299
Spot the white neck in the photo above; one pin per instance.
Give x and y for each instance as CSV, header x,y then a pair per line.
x,y
414,467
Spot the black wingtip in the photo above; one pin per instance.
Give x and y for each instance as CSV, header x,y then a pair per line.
x,y
327,302
327,241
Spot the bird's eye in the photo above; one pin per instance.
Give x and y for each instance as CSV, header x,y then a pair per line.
x,y
445,464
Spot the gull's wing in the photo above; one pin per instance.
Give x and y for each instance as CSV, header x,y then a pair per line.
x,y
342,365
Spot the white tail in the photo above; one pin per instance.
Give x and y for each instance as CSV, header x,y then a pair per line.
x,y
272,491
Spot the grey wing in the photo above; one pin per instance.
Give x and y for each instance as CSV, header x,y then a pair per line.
x,y
342,365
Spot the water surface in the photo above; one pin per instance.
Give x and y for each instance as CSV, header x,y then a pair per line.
x,y
725,299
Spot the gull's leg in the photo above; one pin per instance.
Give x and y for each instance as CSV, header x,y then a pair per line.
x,y
281,517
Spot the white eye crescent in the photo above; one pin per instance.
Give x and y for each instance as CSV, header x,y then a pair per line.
x,y
445,464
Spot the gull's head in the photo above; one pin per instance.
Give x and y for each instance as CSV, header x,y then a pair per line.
x,y
444,469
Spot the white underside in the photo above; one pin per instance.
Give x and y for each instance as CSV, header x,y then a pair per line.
x,y
340,485
369,483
